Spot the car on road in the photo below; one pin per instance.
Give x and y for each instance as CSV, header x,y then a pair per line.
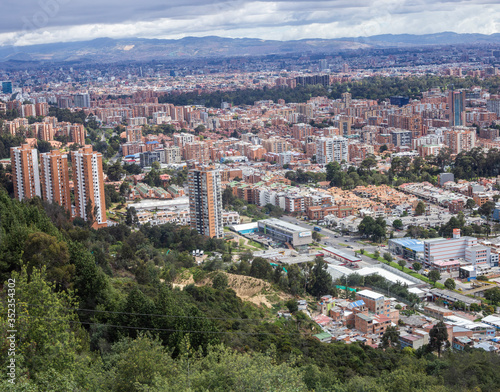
x,y
346,240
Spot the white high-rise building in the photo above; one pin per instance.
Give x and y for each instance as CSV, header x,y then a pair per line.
x,y
334,149
205,201
88,179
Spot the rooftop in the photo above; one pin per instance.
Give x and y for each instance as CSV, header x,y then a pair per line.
x,y
283,225
370,294
410,243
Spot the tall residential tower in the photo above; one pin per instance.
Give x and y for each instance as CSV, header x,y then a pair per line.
x,y
205,201
25,176
55,178
88,181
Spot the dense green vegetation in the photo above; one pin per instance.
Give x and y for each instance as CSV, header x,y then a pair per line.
x,y
67,115
402,170
96,312
6,142
477,163
368,88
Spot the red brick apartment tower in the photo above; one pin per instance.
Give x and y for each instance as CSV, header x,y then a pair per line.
x,y
77,134
88,181
54,177
25,176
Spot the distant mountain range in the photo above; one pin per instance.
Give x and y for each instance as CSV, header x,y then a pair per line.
x,y
141,49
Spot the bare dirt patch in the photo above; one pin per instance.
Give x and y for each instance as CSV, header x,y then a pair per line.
x,y
256,291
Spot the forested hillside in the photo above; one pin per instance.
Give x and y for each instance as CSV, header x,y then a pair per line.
x,y
97,311
375,87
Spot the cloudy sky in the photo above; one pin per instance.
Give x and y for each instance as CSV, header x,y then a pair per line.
x,y
29,22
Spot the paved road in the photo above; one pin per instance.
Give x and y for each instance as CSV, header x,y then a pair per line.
x,y
339,241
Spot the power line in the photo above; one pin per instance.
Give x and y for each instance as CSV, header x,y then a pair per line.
x,y
154,314
157,329
173,329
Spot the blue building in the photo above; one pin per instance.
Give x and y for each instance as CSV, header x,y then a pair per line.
x,y
408,248
7,87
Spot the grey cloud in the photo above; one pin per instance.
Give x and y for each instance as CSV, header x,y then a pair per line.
x,y
36,19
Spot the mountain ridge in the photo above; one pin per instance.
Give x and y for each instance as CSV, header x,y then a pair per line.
x,y
144,49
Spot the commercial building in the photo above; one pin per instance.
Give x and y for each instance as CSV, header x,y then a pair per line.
x,y
6,87
89,186
399,100
409,248
456,104
333,149
81,100
286,232
447,248
25,175
205,201
147,158
55,178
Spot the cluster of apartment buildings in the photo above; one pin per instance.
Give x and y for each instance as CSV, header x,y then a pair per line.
x,y
48,129
46,175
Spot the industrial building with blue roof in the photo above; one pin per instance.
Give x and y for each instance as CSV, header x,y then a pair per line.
x,y
409,248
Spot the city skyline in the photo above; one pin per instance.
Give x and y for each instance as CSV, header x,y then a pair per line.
x,y
49,21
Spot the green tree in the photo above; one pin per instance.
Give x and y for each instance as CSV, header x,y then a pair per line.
x,y
420,208
316,236
487,209
45,250
124,188
261,268
470,204
417,266
220,281
387,256
401,263
450,284
434,276
43,146
376,254
390,338
115,171
438,335
90,282
321,280
228,197
493,295
136,363
48,335
131,217
292,305
397,224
